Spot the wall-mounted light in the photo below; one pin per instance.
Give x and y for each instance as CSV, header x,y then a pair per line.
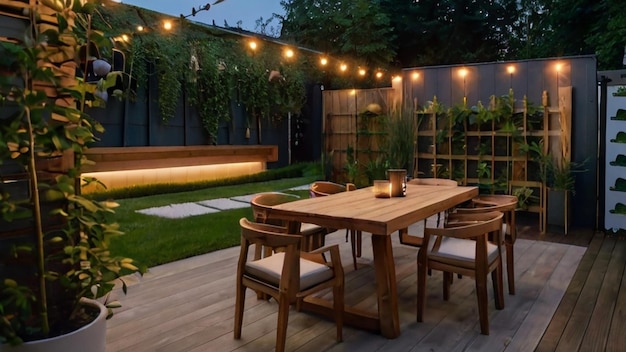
x,y
396,78
167,25
252,45
463,74
415,75
510,69
558,67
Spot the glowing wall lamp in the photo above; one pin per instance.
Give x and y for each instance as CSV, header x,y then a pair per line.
x,y
558,67
252,45
463,74
415,75
511,69
167,25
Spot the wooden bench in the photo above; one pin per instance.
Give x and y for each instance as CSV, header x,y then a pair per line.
x,y
137,158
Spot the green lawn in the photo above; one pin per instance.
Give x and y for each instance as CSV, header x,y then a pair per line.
x,y
152,240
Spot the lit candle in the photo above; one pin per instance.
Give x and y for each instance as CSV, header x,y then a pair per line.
x,y
382,189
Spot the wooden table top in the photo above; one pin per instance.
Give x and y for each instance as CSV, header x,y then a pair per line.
x,y
360,210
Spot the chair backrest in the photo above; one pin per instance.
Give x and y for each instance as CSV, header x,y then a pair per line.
x,y
433,182
499,202
276,239
324,188
262,203
470,226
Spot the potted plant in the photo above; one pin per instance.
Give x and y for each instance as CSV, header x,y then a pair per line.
x,y
54,249
560,190
559,179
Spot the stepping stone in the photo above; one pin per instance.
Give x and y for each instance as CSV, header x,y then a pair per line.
x,y
245,199
178,211
301,188
224,204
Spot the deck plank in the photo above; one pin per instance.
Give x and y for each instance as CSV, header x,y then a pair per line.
x,y
615,339
188,306
553,333
595,338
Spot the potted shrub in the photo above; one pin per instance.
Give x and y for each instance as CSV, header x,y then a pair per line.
x,y
54,251
561,188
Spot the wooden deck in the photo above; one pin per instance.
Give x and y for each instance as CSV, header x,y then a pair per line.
x,y
568,298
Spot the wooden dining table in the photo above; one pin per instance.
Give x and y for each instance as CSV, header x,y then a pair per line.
x,y
360,210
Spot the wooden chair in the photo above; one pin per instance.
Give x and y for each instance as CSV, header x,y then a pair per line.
x,y
325,188
416,240
313,235
507,205
464,249
287,276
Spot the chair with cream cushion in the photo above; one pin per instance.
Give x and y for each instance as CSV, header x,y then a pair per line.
x,y
313,235
507,205
288,275
415,240
463,248
325,188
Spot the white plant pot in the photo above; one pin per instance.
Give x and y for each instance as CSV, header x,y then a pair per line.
x,y
91,337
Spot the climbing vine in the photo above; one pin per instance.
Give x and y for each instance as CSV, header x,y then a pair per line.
x,y
214,69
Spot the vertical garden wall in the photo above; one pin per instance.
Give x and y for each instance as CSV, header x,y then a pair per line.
x,y
493,109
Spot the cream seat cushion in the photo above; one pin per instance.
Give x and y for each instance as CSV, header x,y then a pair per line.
x,y
270,268
306,228
460,252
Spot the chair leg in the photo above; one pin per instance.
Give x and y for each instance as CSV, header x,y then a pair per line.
x,y
283,319
338,303
510,268
498,287
240,301
447,281
421,287
483,311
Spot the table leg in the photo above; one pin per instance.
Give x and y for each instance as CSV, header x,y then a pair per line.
x,y
386,286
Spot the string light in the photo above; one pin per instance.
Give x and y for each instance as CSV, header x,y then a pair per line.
x,y
252,45
167,25
362,72
323,61
289,53
343,67
379,74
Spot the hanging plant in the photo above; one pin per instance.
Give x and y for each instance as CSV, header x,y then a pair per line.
x,y
210,93
252,85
